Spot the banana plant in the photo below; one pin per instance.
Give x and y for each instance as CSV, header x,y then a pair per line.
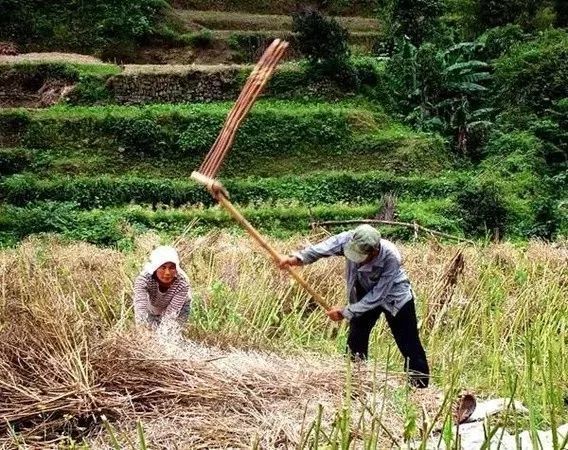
x,y
443,90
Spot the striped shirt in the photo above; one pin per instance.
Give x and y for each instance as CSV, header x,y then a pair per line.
x,y
149,300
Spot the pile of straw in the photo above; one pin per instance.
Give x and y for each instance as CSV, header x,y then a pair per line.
x,y
184,393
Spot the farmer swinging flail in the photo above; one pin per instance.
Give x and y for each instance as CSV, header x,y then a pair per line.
x,y
376,281
376,284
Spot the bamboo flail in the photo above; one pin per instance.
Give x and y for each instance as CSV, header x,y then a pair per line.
x,y
214,158
252,89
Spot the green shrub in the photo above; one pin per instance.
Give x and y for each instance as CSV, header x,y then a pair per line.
x,y
369,70
483,209
13,160
553,131
500,40
90,91
544,18
140,136
513,152
534,75
322,40
325,44
201,39
548,218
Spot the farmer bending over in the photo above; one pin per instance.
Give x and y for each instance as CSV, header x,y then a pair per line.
x,y
376,284
161,291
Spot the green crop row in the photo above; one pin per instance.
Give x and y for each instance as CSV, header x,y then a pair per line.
x,y
315,189
118,226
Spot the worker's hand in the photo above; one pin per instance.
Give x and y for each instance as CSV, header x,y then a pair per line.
x,y
289,261
335,313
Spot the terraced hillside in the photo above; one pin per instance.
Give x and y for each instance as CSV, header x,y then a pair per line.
x,y
364,8
292,163
220,36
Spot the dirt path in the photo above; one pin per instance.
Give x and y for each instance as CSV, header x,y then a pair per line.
x,y
49,57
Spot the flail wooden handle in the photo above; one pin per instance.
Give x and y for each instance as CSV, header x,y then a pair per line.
x,y
211,184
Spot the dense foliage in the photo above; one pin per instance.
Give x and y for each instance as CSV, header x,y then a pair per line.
x,y
104,25
318,188
418,20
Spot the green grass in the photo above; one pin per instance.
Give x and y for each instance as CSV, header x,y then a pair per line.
x,y
100,70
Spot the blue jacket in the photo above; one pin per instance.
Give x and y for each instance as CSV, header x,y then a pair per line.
x,y
383,280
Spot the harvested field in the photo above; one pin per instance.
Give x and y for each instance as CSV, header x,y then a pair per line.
x,y
260,366
225,20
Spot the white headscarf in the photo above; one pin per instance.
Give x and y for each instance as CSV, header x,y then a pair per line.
x,y
161,255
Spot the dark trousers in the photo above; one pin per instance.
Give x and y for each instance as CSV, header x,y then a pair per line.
x,y
404,328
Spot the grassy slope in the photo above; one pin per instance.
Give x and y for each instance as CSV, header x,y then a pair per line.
x,y
278,137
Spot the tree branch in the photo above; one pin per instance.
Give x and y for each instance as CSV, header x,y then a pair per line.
x,y
413,226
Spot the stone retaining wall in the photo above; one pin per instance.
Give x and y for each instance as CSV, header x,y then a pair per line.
x,y
185,85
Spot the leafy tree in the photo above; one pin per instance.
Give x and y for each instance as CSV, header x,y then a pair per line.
x,y
324,42
418,20
483,209
322,39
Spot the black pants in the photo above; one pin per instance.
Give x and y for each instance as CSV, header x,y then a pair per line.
x,y
404,328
